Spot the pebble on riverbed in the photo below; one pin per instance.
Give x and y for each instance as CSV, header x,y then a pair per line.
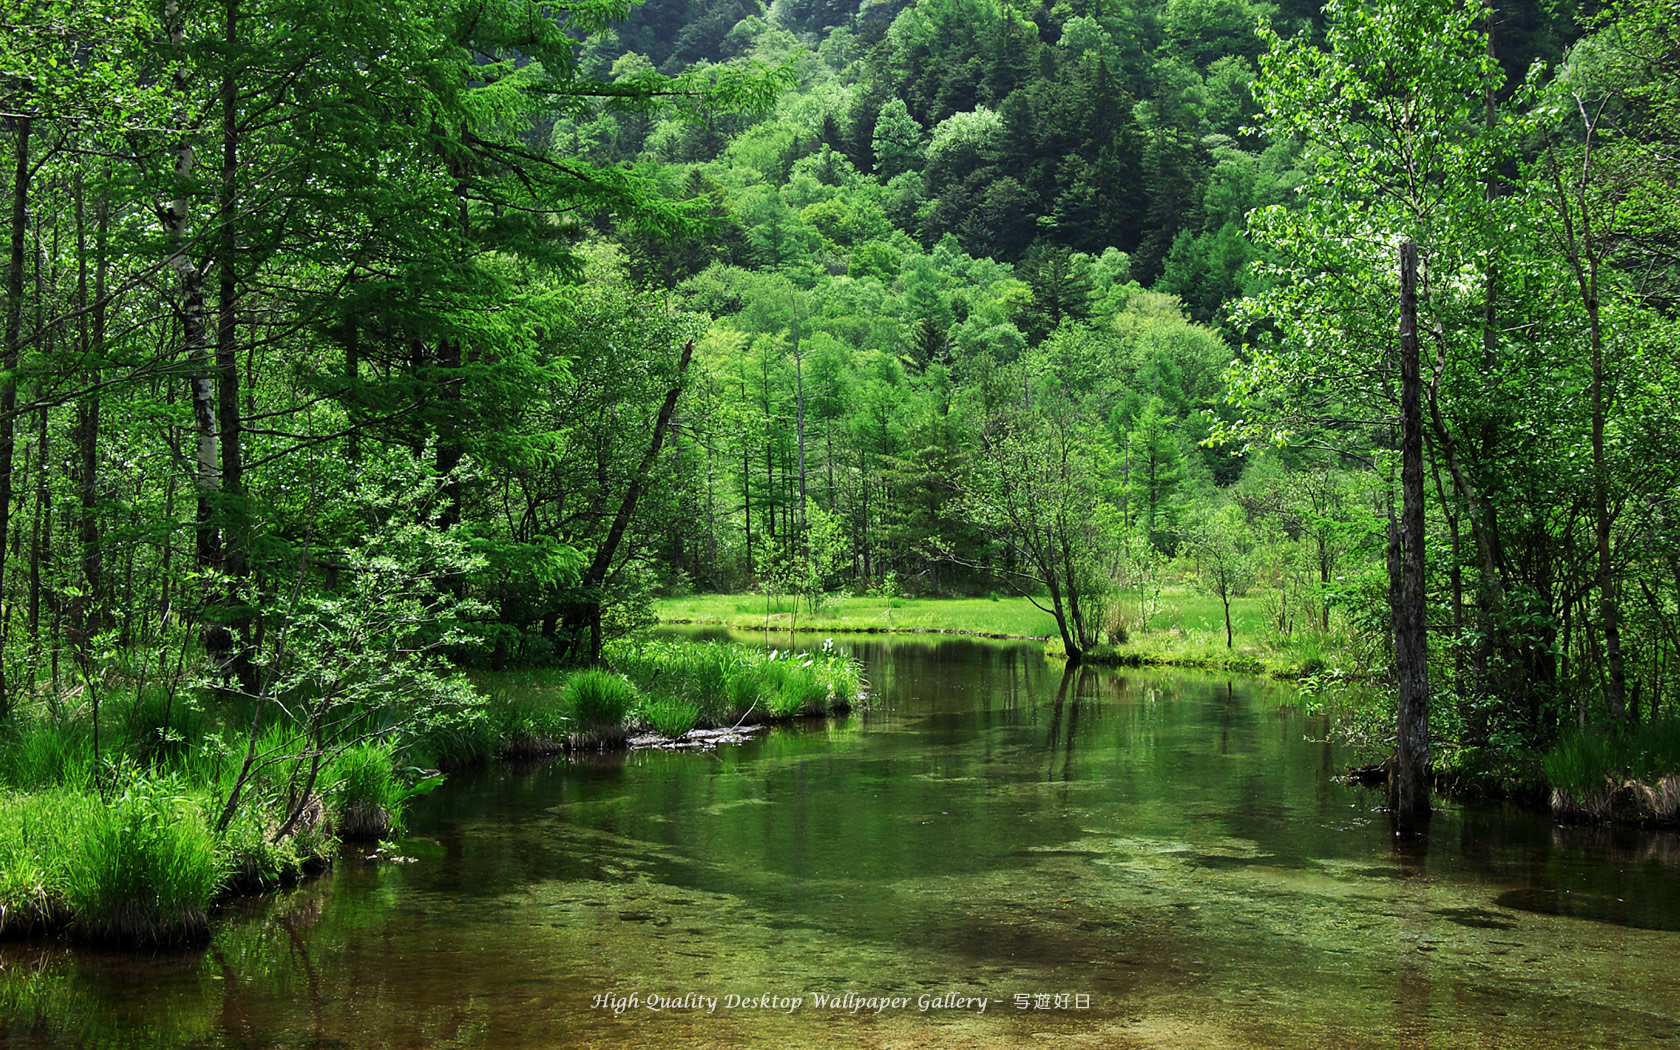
x,y
699,739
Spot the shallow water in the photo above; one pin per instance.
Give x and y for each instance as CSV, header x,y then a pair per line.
x,y
1149,859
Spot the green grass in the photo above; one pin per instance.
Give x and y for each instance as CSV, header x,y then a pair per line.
x,y
1636,774
1012,616
1185,629
40,841
599,703
366,795
146,870
669,716
119,848
731,683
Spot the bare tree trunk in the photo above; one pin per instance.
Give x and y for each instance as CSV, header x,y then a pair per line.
x,y
1409,785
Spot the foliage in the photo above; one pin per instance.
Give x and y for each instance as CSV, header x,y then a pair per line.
x,y
366,795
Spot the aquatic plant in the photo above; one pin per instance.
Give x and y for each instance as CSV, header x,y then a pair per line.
x,y
598,698
1592,774
40,840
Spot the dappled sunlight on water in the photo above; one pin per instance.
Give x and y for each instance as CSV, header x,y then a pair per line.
x,y
1163,858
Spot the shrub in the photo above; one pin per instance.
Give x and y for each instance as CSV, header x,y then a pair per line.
x,y
254,861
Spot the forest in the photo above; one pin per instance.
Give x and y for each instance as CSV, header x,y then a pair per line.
x,y
344,347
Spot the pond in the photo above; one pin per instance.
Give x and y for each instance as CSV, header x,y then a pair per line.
x,y
995,854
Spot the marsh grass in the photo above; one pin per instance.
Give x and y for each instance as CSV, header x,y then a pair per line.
x,y
1598,776
158,725
732,683
528,722
598,702
366,793
459,743
42,753
147,869
670,716
41,839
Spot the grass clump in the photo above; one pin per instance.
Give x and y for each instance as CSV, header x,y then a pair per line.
x,y
670,716
41,837
598,702
1634,773
366,795
147,869
733,683
43,753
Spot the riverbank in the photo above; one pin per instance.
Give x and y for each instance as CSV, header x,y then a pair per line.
x,y
124,823
1182,628
1631,777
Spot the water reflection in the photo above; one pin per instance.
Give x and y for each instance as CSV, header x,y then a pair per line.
x,y
1168,846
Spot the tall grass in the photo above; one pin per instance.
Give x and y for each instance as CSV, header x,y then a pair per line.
x,y
41,839
366,794
1636,772
147,870
669,716
42,753
598,702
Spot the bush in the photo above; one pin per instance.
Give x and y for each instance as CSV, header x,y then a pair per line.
x,y
254,862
